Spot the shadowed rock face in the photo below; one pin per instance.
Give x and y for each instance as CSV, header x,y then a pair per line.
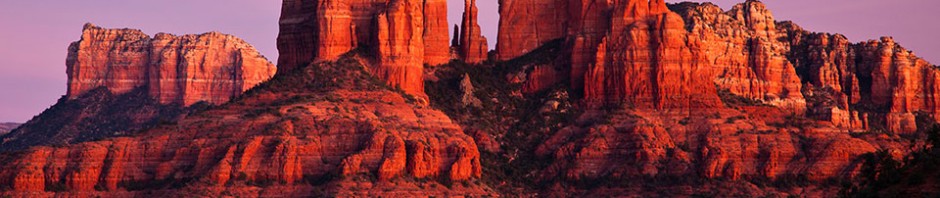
x,y
6,127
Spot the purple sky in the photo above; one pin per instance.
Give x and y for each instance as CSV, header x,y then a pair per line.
x,y
36,33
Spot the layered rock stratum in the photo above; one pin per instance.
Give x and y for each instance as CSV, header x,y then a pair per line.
x,y
689,89
122,80
336,126
583,98
211,67
404,35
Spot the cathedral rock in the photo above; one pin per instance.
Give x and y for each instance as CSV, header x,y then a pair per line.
x,y
403,35
581,98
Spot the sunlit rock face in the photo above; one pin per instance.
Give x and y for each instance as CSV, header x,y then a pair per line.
x,y
472,46
211,67
667,82
285,134
403,36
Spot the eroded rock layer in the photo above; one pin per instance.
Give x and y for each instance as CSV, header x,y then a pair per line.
x,y
404,35
472,46
122,81
747,55
524,25
211,67
647,59
286,136
401,46
691,89
644,54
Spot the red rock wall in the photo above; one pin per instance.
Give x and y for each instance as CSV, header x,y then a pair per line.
x,y
472,47
298,32
650,57
875,73
526,24
648,60
211,67
401,46
115,58
900,80
591,24
741,50
388,137
695,52
404,34
436,33
746,53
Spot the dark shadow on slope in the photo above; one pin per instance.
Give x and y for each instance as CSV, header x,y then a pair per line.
x,y
95,115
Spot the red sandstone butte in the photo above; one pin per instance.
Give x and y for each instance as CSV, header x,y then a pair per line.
x,y
284,136
211,67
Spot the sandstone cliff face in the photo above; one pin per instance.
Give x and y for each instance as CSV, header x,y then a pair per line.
x,y
661,92
117,59
680,74
746,52
404,35
436,33
523,27
738,51
122,81
211,67
285,135
401,46
877,76
900,80
648,60
472,47
742,51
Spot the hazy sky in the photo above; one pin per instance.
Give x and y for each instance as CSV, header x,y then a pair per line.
x,y
36,33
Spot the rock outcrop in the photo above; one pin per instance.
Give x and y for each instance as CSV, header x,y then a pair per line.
x,y
113,58
877,76
122,81
467,97
720,94
472,47
524,25
400,43
211,67
282,137
640,59
647,98
743,51
610,42
746,52
436,33
404,35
